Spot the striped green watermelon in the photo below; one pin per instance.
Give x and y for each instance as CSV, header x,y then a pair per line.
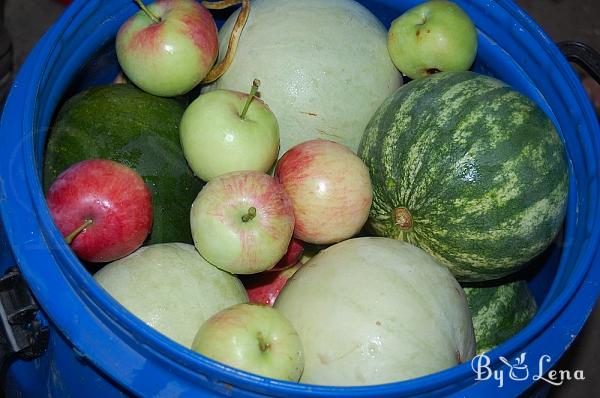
x,y
499,312
467,169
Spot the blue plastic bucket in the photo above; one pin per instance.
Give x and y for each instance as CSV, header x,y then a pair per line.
x,y
97,349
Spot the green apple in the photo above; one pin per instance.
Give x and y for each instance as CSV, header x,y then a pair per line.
x,y
224,131
242,222
171,288
254,338
436,36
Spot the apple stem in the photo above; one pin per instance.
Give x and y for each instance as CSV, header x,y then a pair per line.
x,y
69,238
262,344
147,11
253,92
250,215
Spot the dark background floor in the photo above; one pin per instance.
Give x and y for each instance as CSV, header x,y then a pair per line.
x,y
27,20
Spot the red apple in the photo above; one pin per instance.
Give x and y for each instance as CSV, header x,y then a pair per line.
x,y
330,189
103,208
168,47
291,257
264,288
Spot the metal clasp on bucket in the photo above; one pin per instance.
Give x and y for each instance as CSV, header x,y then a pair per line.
x,y
21,334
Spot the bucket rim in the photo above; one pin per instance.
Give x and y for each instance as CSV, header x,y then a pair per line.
x,y
101,306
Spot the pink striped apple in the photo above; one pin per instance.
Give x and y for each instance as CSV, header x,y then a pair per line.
x,y
242,222
330,189
168,47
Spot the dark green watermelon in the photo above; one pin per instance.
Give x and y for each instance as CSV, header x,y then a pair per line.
x,y
122,123
499,312
469,170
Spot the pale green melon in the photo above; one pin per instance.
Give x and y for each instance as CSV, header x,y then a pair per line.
x,y
324,66
376,310
171,288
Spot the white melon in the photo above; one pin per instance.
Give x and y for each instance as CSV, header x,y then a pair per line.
x,y
376,310
171,288
324,66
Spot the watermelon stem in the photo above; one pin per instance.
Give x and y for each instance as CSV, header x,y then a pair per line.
x,y
250,215
147,11
403,218
69,238
253,92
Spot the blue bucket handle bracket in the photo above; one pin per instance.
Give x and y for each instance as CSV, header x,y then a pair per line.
x,y
583,55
